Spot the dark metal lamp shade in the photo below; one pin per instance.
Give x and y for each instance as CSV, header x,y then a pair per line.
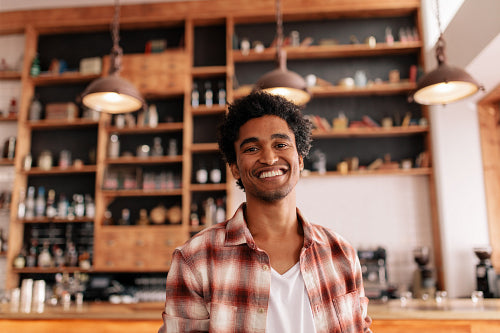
x,y
446,84
112,94
285,83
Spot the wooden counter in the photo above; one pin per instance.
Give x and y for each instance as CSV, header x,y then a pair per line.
x,y
456,316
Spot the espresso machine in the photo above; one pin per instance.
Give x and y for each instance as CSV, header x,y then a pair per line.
x,y
374,270
424,282
486,278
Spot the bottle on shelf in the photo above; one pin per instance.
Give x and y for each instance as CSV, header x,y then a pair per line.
x,y
114,146
45,258
21,207
40,202
195,96
201,174
209,210
209,94
71,259
51,210
79,205
35,109
58,253
108,218
220,211
152,116
62,206
143,217
125,218
31,258
215,174
13,108
172,147
157,149
30,203
89,206
20,259
35,66
194,219
221,94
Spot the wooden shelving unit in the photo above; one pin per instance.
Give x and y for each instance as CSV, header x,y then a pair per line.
x,y
168,77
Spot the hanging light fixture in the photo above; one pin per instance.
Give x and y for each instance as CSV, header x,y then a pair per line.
x,y
281,81
113,94
446,84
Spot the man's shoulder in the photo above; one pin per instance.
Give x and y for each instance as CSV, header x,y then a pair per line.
x,y
212,236
329,238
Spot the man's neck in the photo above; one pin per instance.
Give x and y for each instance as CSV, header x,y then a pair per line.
x,y
272,220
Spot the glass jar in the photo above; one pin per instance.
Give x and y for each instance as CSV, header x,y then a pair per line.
x,y
45,160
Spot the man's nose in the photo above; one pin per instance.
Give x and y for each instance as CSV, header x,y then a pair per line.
x,y
268,156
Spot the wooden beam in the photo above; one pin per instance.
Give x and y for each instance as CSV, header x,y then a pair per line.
x,y
85,18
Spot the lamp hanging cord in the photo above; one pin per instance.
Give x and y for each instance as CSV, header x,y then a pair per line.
x,y
280,54
116,51
440,44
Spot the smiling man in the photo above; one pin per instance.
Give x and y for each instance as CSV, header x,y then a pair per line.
x,y
266,269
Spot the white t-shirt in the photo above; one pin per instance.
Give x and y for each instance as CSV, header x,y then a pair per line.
x,y
289,308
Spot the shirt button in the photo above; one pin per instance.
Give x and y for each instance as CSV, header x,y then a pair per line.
x,y
261,310
265,267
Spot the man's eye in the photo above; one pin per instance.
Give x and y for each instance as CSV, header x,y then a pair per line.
x,y
250,150
281,145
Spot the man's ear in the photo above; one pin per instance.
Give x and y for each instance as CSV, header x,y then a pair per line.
x,y
301,163
234,170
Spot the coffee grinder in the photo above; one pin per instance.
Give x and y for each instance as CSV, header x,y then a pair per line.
x,y
485,273
423,278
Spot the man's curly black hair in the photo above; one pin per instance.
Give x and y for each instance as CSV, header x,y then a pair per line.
x,y
259,104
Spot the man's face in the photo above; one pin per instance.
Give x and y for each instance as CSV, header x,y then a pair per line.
x,y
267,161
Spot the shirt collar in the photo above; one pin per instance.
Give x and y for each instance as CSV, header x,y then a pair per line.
x,y
237,231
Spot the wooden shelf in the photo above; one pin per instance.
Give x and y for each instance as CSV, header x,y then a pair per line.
x,y
6,161
49,270
161,128
383,172
329,51
8,118
208,187
204,147
10,75
59,170
208,71
61,124
47,79
385,88
56,220
156,227
370,132
145,160
141,193
202,110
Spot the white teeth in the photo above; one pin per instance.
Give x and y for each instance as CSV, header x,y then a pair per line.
x,y
273,173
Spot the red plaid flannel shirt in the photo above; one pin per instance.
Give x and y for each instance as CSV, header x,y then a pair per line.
x,y
219,282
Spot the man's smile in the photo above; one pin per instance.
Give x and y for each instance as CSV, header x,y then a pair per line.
x,y
272,173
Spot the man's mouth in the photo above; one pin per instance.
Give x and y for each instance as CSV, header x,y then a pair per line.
x,y
273,173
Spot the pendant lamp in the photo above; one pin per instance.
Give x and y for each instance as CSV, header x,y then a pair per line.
x,y
446,84
113,94
281,81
